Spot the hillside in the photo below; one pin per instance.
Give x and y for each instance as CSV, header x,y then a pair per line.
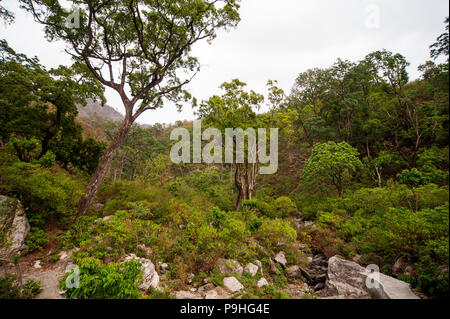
x,y
93,117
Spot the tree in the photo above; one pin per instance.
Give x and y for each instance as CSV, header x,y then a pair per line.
x,y
6,15
235,109
441,46
148,41
332,163
42,105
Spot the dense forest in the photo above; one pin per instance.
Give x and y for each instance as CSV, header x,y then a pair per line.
x,y
363,162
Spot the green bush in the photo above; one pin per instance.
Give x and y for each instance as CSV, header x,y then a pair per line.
x,y
36,239
48,160
10,288
285,207
100,281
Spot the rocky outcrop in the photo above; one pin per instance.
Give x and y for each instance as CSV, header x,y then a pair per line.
x,y
13,223
150,277
348,280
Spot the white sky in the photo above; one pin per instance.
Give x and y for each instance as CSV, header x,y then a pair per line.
x,y
276,39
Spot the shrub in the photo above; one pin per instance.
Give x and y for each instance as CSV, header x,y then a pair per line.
x,y
48,160
100,281
285,207
36,240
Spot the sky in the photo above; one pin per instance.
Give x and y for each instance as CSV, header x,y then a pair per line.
x,y
276,40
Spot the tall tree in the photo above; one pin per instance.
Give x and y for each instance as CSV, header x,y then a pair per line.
x,y
148,41
236,109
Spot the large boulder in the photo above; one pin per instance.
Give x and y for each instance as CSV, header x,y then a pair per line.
x,y
347,279
150,277
13,223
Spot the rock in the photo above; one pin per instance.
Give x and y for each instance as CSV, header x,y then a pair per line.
x,y
232,284
37,264
403,267
294,272
281,259
259,264
252,269
357,258
306,274
190,278
150,276
349,280
163,268
320,278
346,279
147,250
262,282
211,295
63,255
193,290
319,286
230,267
185,295
11,209
391,288
217,293
206,288
273,268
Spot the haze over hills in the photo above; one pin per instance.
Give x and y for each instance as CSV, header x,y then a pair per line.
x,y
93,116
94,109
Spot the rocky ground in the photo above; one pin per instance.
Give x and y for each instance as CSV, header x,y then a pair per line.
x,y
333,278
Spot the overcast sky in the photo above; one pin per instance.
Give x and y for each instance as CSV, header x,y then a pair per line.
x,y
277,40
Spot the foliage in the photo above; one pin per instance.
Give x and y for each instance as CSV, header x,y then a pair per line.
x,y
100,281
331,163
10,288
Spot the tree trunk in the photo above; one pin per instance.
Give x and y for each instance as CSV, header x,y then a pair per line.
x,y
240,185
103,166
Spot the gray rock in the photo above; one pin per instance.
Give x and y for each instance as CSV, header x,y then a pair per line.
x,y
319,286
262,282
294,272
18,231
163,268
185,295
217,293
206,288
350,280
346,279
281,259
190,278
391,288
230,267
273,268
149,275
403,267
232,284
252,269
259,264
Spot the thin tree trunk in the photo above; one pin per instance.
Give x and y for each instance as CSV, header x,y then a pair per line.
x,y
102,168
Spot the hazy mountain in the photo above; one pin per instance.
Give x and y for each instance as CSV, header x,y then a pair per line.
x,y
96,110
